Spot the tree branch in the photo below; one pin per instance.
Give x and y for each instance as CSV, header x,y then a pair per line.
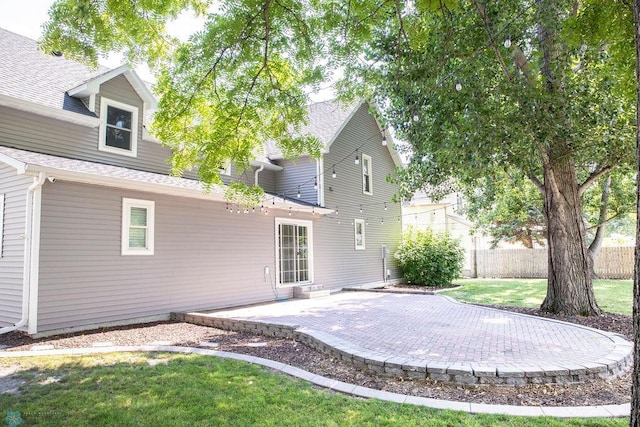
x,y
595,245
485,19
592,178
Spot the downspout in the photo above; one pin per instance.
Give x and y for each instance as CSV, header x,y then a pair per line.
x,y
32,222
260,169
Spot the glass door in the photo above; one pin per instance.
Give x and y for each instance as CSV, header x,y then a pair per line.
x,y
293,251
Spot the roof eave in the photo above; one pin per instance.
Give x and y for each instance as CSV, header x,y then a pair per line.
x,y
216,194
46,111
92,86
352,113
267,165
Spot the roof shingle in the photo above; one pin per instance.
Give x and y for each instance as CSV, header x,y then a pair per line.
x,y
31,75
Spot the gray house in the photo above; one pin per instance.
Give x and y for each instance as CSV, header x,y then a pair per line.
x,y
94,231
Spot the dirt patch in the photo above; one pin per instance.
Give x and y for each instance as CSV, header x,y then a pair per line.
x,y
600,392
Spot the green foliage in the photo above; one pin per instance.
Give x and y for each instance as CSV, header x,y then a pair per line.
x,y
85,30
233,86
244,195
508,208
622,201
507,114
428,258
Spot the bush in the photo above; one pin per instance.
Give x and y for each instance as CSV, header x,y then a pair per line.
x,y
429,259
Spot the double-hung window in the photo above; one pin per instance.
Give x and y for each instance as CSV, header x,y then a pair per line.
x,y
119,128
359,234
137,226
366,175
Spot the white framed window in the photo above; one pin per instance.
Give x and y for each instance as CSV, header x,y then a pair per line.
x,y
225,168
119,128
358,230
366,175
1,223
137,226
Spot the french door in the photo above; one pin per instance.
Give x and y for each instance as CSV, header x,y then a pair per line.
x,y
294,252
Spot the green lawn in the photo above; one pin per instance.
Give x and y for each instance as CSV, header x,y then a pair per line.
x,y
187,390
614,296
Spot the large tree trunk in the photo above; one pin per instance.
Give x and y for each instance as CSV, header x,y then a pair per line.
x,y
635,386
569,286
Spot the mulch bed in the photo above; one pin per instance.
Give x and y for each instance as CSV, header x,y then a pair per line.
x,y
599,392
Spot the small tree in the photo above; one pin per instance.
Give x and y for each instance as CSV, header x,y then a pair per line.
x,y
429,259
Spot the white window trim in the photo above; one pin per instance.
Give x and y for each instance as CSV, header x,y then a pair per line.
x,y
355,234
1,224
300,222
366,158
149,205
225,169
102,141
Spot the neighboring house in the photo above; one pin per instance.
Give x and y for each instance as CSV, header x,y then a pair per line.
x,y
94,231
445,216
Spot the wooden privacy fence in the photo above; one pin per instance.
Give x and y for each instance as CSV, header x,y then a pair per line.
x,y
611,263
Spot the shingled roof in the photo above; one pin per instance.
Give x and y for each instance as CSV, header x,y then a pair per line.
x,y
31,75
326,120
30,163
28,74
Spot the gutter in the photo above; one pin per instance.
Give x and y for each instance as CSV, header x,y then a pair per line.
x,y
260,169
31,257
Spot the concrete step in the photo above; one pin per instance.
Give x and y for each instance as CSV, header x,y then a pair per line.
x,y
310,291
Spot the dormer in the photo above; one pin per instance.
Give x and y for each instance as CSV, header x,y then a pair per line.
x,y
119,120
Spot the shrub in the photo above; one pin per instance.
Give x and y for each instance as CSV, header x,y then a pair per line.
x,y
429,259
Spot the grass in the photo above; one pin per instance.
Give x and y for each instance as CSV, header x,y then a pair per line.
x,y
148,389
614,296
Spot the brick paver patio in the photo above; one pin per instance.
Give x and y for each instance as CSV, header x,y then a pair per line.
x,y
452,341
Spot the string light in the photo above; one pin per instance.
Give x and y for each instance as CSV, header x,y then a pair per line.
x,y
333,173
382,221
385,206
315,183
262,207
298,195
507,41
289,211
384,138
360,208
458,85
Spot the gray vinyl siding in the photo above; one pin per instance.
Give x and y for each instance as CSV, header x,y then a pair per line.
x,y
266,178
45,135
337,261
14,187
204,258
296,174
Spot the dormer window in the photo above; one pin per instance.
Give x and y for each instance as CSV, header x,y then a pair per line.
x,y
119,128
